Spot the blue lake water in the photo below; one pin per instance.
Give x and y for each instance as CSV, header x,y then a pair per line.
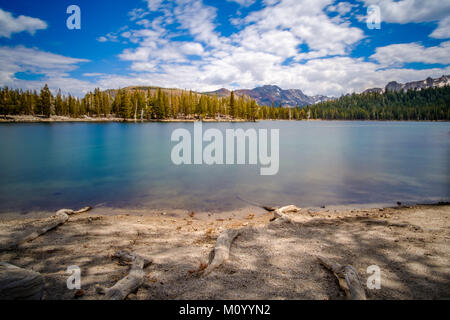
x,y
51,166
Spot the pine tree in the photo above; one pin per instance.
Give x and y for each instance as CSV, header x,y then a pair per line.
x,y
45,102
59,104
253,110
232,111
3,99
158,105
125,105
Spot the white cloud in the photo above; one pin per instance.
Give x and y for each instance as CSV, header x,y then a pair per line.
x,y
10,25
256,55
244,3
102,39
308,22
443,29
55,69
268,49
137,13
282,43
154,5
113,36
34,60
416,11
333,76
198,19
93,74
192,48
278,30
396,55
342,8
405,11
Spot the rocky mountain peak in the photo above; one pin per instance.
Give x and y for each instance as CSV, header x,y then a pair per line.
x,y
273,95
414,85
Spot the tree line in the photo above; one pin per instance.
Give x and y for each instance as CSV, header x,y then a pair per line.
x,y
158,104
430,104
127,104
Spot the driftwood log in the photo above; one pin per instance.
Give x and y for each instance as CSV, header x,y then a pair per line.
x,y
348,279
221,251
20,284
132,281
58,219
280,215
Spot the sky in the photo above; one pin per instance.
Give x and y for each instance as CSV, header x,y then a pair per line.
x,y
319,46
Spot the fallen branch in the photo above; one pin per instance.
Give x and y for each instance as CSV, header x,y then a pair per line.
x,y
58,219
126,258
20,284
269,209
131,282
221,251
280,215
348,279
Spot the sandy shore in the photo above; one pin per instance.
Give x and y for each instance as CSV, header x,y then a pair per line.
x,y
267,261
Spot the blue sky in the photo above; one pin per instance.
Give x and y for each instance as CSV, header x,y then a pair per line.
x,y
320,46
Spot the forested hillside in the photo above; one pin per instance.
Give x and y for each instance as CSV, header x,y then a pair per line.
x,y
152,104
426,104
159,104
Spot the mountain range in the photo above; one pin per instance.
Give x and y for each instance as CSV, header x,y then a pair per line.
x,y
414,85
268,95
273,95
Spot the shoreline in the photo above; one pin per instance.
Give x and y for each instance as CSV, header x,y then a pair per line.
x,y
268,260
237,212
62,119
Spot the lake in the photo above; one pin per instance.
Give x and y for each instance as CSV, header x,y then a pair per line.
x,y
52,166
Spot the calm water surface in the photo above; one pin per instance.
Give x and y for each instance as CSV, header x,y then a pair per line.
x,y
50,166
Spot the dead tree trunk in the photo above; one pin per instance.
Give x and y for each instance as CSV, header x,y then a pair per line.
x,y
221,251
348,279
132,281
20,284
280,215
58,219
